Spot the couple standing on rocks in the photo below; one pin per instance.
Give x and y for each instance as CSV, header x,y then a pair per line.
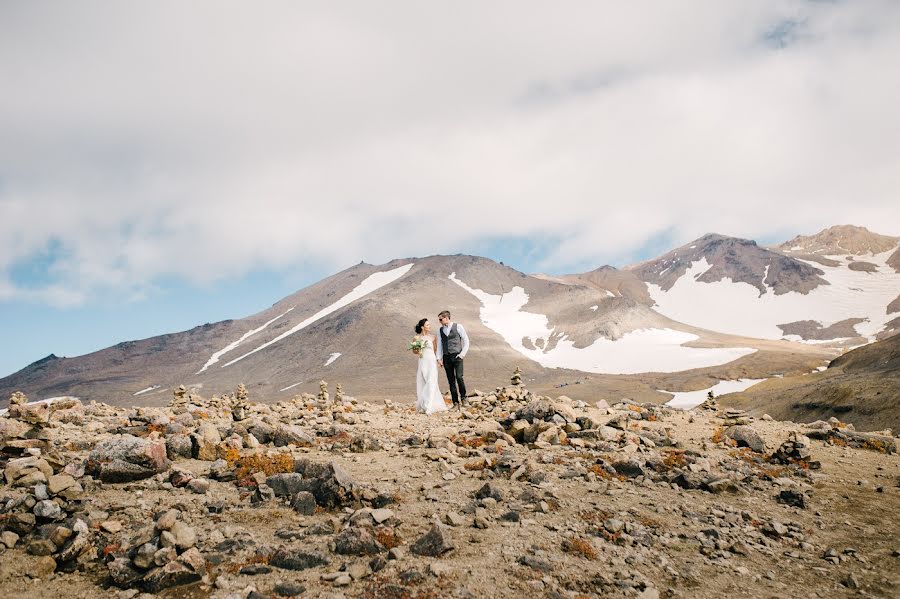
x,y
447,350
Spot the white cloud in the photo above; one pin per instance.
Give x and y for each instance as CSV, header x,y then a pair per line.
x,y
209,139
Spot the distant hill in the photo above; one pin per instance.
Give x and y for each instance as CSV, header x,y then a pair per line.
x,y
861,387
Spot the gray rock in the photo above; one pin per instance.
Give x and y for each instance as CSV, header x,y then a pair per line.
x,y
746,436
48,510
187,569
433,543
127,458
357,541
122,573
297,559
286,484
329,483
304,503
489,490
288,434
178,446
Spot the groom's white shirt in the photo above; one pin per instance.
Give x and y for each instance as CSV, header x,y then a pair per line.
x,y
463,336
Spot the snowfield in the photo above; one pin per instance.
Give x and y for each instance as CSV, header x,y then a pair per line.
x,y
738,308
685,400
645,350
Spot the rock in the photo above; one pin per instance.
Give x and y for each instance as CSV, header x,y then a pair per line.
x,y
178,446
21,524
76,546
127,458
111,526
122,573
535,563
9,538
48,510
289,589
41,547
489,490
536,410
746,436
199,486
329,483
433,543
60,482
304,503
357,541
188,568
382,514
144,556
454,519
43,567
630,468
297,559
17,470
180,478
286,484
287,434
167,520
185,536
793,498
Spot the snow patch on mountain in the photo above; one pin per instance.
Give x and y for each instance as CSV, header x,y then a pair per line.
x,y
370,284
685,400
738,308
215,357
147,390
332,358
644,350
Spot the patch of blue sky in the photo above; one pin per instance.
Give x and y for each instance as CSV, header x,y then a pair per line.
x,y
33,331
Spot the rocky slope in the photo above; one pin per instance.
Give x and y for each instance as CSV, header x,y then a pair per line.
x,y
861,386
325,496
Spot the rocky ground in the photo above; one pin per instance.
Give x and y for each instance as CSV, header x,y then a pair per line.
x,y
516,494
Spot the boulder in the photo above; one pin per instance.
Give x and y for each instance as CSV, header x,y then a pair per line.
x,y
288,434
286,484
746,436
127,458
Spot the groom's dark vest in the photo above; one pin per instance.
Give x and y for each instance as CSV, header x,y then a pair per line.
x,y
451,343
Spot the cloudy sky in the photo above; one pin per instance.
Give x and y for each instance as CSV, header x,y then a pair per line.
x,y
165,164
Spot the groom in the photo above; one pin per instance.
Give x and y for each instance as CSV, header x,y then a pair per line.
x,y
453,344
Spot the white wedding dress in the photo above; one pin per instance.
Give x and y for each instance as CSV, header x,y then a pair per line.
x,y
429,399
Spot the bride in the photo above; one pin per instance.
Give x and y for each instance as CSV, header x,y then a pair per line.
x,y
429,398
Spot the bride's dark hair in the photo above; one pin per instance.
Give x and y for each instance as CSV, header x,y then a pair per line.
x,y
421,326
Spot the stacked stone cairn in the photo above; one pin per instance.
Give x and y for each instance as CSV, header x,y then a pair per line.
x,y
516,378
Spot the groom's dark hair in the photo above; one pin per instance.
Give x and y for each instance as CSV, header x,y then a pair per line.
x,y
444,313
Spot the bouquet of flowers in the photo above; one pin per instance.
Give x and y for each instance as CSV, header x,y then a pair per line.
x,y
416,346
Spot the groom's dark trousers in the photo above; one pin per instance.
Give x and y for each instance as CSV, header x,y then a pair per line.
x,y
453,366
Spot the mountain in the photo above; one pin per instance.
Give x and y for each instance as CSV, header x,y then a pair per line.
x,y
802,290
862,386
719,307
714,258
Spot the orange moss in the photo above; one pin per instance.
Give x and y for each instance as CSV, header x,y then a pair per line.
x,y
718,435
229,454
262,463
674,459
252,560
387,537
579,546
